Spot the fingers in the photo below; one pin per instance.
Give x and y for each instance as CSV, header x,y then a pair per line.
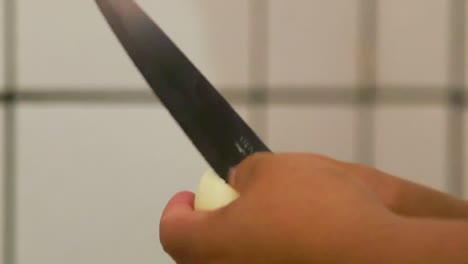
x,y
241,176
179,204
177,225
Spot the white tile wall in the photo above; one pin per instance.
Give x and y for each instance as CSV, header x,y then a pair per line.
x,y
94,180
411,143
313,42
466,48
325,130
67,44
2,182
1,129
2,44
413,42
214,34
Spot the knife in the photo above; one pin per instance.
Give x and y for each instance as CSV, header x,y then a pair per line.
x,y
212,125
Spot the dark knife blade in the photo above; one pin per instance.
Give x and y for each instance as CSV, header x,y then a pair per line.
x,y
213,126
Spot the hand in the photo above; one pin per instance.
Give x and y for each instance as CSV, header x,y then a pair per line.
x,y
404,197
310,209
292,208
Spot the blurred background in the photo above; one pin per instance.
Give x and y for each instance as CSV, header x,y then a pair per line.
x,y
90,157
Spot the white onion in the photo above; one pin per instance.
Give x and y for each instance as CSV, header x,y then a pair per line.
x,y
213,193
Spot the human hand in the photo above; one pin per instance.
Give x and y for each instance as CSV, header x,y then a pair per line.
x,y
404,197
293,208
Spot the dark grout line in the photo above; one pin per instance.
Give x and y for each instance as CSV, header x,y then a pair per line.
x,y
4,172
386,96
325,96
104,89
240,97
457,67
257,84
10,50
4,190
10,47
415,96
367,63
258,64
10,184
258,47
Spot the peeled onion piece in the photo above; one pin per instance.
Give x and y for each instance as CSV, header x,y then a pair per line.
x,y
213,193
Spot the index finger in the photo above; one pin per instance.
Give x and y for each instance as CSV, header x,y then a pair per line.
x,y
245,172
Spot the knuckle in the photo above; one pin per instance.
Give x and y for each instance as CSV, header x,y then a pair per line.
x,y
253,163
250,169
318,159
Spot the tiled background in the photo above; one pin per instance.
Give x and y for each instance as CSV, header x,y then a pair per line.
x,y
89,156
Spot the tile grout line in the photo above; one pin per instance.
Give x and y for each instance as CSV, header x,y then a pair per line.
x,y
10,184
4,198
108,90
367,58
311,94
10,133
455,138
258,65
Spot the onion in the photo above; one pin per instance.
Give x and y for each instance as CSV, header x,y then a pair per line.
x,y
213,193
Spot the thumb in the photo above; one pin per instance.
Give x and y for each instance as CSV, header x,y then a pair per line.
x,y
177,225
179,205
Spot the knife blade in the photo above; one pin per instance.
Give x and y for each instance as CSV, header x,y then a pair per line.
x,y
221,136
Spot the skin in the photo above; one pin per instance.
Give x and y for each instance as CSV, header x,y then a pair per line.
x,y
303,208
